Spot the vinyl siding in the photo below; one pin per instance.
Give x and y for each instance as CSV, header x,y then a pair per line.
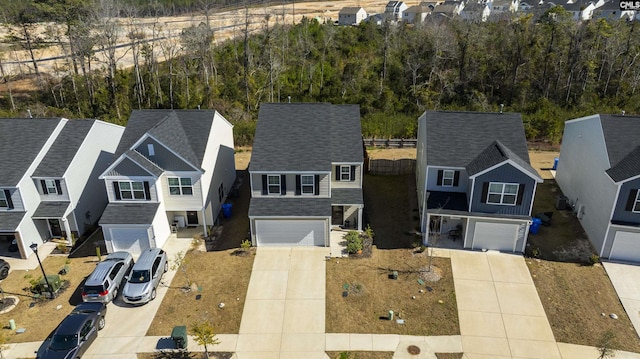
x,y
18,205
581,176
432,180
163,157
620,213
504,174
182,202
256,179
347,184
53,196
161,228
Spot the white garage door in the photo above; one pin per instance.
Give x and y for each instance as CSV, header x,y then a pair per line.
x,y
626,247
290,232
496,236
132,240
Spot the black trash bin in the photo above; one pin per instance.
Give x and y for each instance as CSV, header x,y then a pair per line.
x,y
179,336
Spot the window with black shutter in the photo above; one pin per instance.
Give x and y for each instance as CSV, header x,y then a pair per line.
x,y
298,185
316,184
5,199
43,184
283,185
58,187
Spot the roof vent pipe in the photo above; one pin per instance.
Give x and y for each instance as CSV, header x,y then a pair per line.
x,y
501,107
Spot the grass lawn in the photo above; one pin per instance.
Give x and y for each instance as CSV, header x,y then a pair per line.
x,y
44,316
372,294
223,278
574,296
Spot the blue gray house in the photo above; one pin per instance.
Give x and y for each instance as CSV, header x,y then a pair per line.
x,y
599,172
474,180
306,173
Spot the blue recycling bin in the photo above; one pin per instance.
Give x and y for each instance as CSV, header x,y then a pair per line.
x,y
226,210
535,225
555,163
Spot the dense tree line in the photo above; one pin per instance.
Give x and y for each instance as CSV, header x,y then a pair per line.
x,y
551,69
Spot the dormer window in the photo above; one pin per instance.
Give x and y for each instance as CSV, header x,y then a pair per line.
x,y
307,184
4,203
345,173
273,182
131,190
50,187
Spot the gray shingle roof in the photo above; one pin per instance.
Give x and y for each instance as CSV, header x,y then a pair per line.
x,y
456,138
494,154
628,167
21,139
289,207
349,10
129,213
51,209
9,220
184,131
346,196
143,162
65,147
621,135
306,137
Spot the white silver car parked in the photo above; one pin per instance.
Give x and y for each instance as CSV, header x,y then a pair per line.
x,y
145,276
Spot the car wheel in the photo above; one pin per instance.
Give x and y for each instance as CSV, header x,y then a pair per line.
x,y
4,272
153,294
166,266
101,323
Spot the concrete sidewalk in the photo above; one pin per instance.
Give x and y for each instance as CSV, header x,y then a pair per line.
x,y
626,281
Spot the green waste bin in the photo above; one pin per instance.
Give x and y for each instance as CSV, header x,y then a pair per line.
x,y
179,336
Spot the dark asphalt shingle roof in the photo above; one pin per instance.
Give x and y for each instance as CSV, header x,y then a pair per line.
x,y
346,196
51,209
289,207
494,154
9,221
306,137
622,138
628,167
21,139
456,138
143,162
129,213
184,131
65,147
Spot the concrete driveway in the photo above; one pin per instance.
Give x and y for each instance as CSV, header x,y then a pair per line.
x,y
626,281
500,313
284,313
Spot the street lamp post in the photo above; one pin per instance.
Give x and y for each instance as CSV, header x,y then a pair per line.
x,y
34,248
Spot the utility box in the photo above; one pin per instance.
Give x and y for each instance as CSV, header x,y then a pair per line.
x,y
179,336
561,202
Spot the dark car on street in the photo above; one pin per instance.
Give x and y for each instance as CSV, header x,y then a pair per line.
x,y
75,333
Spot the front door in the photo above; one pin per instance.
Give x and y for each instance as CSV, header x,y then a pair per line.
x,y
337,215
54,227
192,218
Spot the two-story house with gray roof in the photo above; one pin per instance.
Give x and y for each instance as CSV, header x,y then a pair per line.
x,y
172,169
351,15
474,180
49,186
599,173
306,173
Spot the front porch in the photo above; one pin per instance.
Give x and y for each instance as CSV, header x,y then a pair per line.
x,y
446,231
346,217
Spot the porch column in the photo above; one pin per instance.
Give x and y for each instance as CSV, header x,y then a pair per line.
x,y
360,218
67,229
204,222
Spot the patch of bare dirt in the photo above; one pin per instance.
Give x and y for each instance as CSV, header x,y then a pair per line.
x,y
242,157
542,161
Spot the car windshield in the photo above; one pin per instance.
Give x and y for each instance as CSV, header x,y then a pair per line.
x,y
139,276
64,342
